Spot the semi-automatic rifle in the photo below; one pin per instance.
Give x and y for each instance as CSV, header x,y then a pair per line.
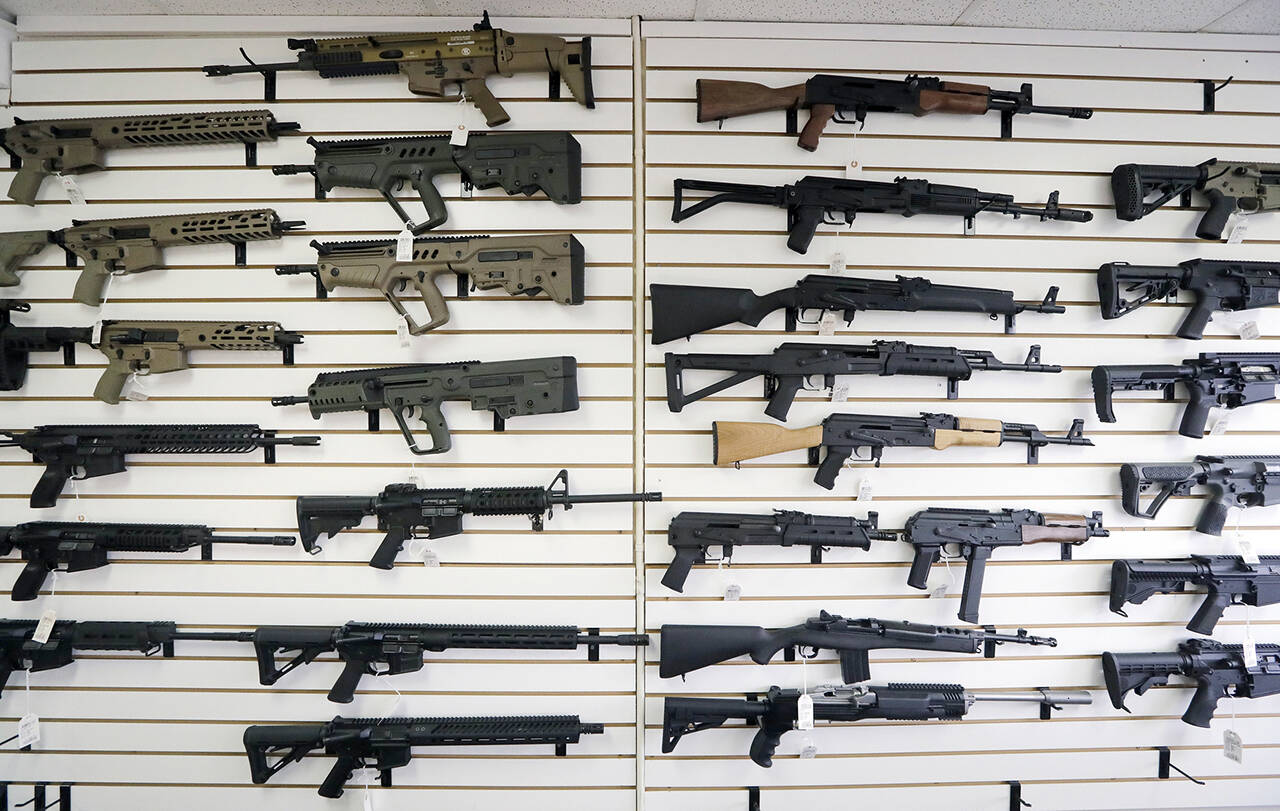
x,y
1228,579
1233,481
1230,187
1217,284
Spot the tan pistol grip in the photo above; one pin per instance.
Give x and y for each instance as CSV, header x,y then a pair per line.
x,y
437,309
478,93
112,382
91,284
735,441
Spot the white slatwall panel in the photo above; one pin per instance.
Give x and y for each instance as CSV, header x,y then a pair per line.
x,y
1086,757
164,732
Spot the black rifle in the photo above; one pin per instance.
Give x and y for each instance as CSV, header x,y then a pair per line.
x,y
1218,284
685,648
788,369
90,451
1219,671
815,201
521,163
842,434
1229,580
692,534
17,344
1225,379
18,651
1229,186
1233,481
832,98
404,511
778,711
78,547
510,388
386,743
392,648
681,310
978,533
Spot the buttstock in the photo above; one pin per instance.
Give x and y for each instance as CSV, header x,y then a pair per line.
x,y
732,442
718,98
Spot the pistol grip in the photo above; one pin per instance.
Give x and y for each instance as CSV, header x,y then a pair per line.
x,y
437,309
678,570
344,689
1201,314
1213,517
1221,207
802,224
27,182
1197,413
30,579
111,384
926,555
91,284
819,115
437,214
783,396
432,417
478,93
1210,611
384,557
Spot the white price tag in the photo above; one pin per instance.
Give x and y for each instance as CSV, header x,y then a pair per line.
x,y
420,549
1239,231
404,246
837,262
28,730
1247,553
72,188
1232,746
864,488
413,477
840,393
133,389
938,592
733,592
828,323
808,749
402,333
45,626
1249,652
853,168
804,712
459,135
1249,331
95,335
1220,425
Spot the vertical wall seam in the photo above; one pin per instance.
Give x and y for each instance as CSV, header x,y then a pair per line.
x,y
638,392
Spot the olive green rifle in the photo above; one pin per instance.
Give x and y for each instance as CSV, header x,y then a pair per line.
x,y
16,246
527,265
77,146
439,59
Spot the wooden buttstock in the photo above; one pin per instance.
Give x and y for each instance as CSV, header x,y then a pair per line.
x,y
946,438
718,98
819,115
937,101
735,441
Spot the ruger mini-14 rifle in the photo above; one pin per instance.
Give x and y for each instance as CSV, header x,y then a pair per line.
x,y
386,743
519,162
831,98
1218,284
88,451
814,201
133,347
788,369
76,146
433,61
1231,187
692,534
685,648
73,546
777,712
405,510
680,310
1225,379
528,265
509,388
978,533
1228,579
1219,671
1233,481
842,434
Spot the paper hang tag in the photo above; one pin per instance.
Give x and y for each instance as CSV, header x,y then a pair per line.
x,y
459,135
808,749
864,488
72,188
1220,425
404,246
413,477
837,262
732,592
1238,231
853,168
840,393
420,549
828,323
28,730
95,335
1232,746
938,592
402,333
45,626
804,712
133,389
1249,331
1247,553
1249,652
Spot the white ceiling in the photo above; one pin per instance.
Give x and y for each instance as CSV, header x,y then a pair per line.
x,y
1218,16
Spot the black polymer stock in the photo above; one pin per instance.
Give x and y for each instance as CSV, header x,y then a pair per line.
x,y
814,201
1228,580
1232,481
680,311
1217,284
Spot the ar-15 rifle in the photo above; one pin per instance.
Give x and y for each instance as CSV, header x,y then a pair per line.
x,y
542,263
134,347
978,533
788,369
432,61
778,711
842,434
1219,670
1225,379
392,648
19,651
680,310
405,510
89,451
76,146
686,648
814,201
832,98
1233,481
79,547
1231,187
519,162
509,388
1228,578
692,534
1218,284
386,743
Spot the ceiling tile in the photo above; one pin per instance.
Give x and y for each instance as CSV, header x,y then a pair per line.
x,y
912,12
1098,15
1254,17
